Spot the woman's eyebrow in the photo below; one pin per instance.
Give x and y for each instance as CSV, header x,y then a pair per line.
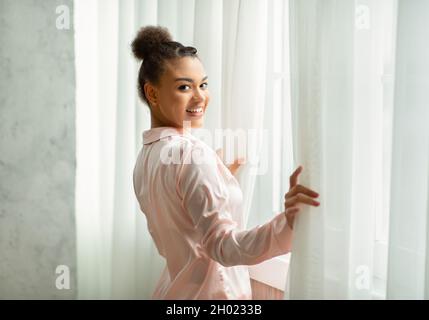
x,y
189,79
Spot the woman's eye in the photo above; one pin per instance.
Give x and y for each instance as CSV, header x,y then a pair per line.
x,y
183,87
204,85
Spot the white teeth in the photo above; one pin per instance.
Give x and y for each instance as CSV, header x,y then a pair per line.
x,y
195,110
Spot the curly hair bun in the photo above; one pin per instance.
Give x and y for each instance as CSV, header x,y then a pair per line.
x,y
148,39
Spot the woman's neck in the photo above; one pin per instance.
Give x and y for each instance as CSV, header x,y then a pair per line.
x,y
155,123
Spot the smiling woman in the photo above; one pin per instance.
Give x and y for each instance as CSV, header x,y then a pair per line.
x,y
193,208
172,79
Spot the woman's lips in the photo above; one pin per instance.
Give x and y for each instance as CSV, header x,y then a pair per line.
x,y
195,112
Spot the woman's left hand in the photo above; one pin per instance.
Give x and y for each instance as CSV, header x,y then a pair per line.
x,y
298,196
233,168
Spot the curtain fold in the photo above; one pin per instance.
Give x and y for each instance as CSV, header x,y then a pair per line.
x,y
336,71
95,29
243,91
408,276
364,144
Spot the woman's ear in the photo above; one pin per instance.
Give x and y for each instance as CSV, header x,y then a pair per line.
x,y
151,94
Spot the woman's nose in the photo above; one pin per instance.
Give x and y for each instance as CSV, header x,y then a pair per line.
x,y
199,96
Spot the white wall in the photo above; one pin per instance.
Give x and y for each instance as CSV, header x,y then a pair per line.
x,y
37,150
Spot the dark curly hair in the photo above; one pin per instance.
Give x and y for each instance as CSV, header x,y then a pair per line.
x,y
154,45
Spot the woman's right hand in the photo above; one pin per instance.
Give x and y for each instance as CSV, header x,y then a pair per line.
x,y
297,196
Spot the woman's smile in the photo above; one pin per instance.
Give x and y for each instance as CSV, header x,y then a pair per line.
x,y
195,111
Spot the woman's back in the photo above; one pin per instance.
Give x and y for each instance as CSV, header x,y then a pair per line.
x,y
193,207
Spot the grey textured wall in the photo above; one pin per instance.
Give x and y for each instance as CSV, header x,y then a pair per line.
x,y
37,150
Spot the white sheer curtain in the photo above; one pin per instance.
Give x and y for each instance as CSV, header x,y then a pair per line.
x,y
408,268
342,95
116,256
243,91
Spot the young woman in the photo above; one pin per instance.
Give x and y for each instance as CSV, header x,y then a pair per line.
x,y
193,208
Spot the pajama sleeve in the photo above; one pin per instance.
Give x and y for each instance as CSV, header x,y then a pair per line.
x,y
204,197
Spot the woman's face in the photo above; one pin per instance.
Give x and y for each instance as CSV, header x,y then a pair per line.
x,y
182,94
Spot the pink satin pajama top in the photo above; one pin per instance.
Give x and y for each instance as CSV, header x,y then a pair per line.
x,y
193,206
